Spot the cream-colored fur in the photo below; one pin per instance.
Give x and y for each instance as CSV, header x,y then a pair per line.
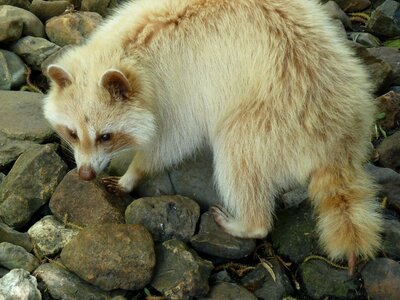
x,y
269,84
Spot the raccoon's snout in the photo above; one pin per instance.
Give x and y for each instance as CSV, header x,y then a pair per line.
x,y
86,173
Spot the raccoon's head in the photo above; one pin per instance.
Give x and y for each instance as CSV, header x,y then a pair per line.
x,y
98,117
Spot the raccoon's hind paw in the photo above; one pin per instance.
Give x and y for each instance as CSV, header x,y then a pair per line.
x,y
112,185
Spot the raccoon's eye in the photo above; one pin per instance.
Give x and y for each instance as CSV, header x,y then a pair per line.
x,y
72,134
105,137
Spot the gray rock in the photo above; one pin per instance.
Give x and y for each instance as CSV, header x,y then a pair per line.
x,y
34,50
72,28
10,29
50,236
12,70
7,234
16,257
2,176
353,5
336,13
22,116
264,285
180,273
52,58
212,240
18,284
166,217
112,256
11,149
381,279
391,239
62,284
231,291
18,3
194,179
85,202
45,10
385,19
158,185
320,280
389,104
30,184
96,6
389,152
32,25
391,56
364,38
295,234
294,197
3,271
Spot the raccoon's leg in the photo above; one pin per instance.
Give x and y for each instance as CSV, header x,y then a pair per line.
x,y
348,221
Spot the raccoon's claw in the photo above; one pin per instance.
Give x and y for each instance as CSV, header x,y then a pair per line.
x,y
112,185
220,215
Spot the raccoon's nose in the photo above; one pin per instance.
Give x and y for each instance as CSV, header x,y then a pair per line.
x,y
86,173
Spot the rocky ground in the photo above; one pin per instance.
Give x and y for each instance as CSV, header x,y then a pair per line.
x,y
63,238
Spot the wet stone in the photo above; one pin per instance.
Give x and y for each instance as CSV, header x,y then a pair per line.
x,y
391,239
180,273
385,19
7,234
10,29
85,203
389,152
18,284
381,279
11,149
212,240
320,280
112,256
229,291
50,236
30,184
12,70
16,257
45,10
166,217
31,24
364,38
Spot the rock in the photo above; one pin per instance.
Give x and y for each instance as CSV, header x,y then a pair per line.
x,y
112,256
12,70
16,257
194,179
31,24
18,284
10,29
336,13
381,279
85,202
385,19
22,117
264,286
11,149
180,273
3,271
353,5
229,291
294,197
30,183
72,28
97,6
395,88
389,104
364,38
34,50
50,236
18,3
391,56
221,276
295,233
166,217
62,284
320,280
389,152
45,10
212,240
391,239
156,186
2,176
392,43
7,234
52,58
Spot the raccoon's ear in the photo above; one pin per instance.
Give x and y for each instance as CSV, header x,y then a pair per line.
x,y
116,83
59,75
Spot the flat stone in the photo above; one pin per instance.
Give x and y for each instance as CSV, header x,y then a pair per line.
x,y
50,236
72,28
381,279
31,24
385,19
7,234
45,10
112,256
62,284
180,273
364,38
389,152
30,184
320,280
34,50
22,117
11,149
166,217
18,3
212,240
18,284
12,70
10,29
389,104
391,56
85,202
231,291
16,257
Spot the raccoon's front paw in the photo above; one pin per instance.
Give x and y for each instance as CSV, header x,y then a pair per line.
x,y
113,186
